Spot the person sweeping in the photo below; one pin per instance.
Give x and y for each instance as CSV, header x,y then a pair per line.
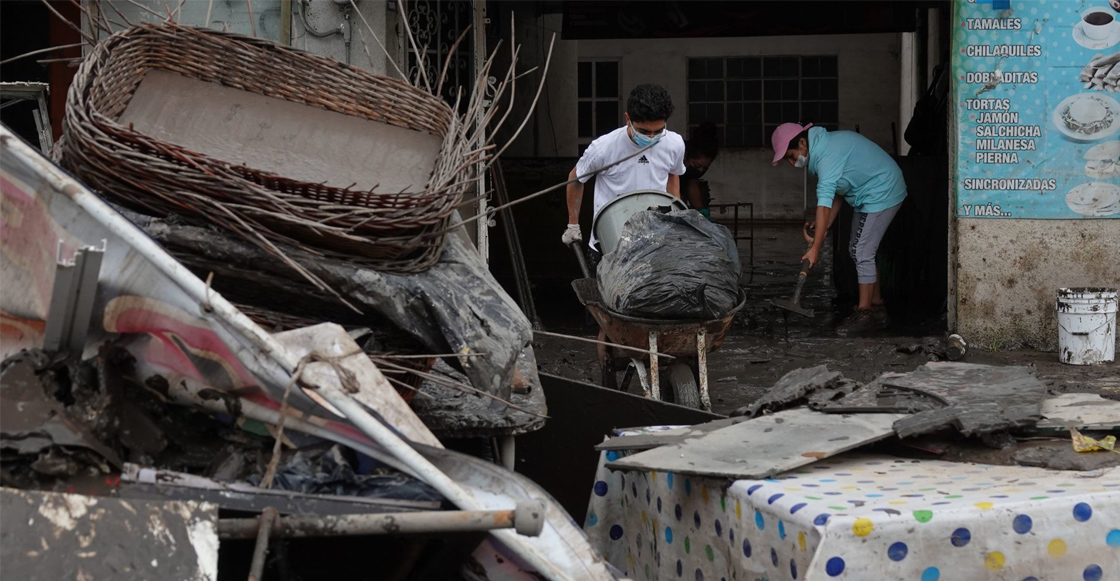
x,y
850,167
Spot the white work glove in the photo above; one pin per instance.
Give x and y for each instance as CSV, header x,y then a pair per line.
x,y
572,234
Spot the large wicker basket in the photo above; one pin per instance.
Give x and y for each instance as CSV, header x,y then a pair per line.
x,y
390,231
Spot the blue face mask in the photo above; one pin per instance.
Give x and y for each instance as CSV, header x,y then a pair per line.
x,y
644,140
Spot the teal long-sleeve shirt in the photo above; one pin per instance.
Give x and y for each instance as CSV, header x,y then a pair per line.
x,y
851,165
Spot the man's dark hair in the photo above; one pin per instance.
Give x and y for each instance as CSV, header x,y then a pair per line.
x,y
649,103
703,142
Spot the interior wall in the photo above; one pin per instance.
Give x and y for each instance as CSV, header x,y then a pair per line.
x,y
869,73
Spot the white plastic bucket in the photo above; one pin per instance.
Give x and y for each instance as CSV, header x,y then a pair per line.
x,y
1087,325
608,223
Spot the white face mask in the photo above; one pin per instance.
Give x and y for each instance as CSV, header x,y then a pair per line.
x,y
802,161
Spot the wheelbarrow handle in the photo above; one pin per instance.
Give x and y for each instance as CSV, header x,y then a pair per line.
x,y
581,257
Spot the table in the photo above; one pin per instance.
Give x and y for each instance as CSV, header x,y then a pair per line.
x,y
863,517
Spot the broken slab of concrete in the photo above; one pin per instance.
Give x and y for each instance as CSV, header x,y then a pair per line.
x,y
1062,456
819,398
667,437
816,399
876,397
792,389
1084,411
764,446
978,399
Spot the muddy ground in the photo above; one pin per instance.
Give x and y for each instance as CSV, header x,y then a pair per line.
x,y
759,349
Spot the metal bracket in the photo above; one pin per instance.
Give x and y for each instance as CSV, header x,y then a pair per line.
x,y
75,287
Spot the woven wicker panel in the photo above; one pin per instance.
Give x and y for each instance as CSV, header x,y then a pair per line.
x,y
390,231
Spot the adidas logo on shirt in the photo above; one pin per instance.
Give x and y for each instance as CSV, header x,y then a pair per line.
x,y
643,159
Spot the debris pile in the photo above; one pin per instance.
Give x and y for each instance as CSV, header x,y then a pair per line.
x,y
929,410
67,420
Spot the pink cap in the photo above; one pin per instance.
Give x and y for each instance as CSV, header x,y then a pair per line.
x,y
782,136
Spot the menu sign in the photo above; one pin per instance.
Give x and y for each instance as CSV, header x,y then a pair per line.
x,y
1037,91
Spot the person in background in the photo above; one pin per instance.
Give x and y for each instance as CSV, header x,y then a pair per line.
x,y
851,167
659,168
700,151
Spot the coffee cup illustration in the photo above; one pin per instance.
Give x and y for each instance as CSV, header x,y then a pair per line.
x,y
1098,23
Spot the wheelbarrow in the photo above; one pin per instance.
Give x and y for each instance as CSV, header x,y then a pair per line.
x,y
683,344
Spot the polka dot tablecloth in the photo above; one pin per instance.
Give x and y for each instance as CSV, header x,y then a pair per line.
x,y
861,517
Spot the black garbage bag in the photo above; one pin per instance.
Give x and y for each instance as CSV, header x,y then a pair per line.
x,y
328,471
677,265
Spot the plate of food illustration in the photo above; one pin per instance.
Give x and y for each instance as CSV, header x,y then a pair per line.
x,y
1103,160
1094,199
1087,116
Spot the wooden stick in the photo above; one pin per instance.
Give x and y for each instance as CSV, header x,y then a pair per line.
x,y
145,8
252,25
76,28
420,57
41,51
115,9
533,105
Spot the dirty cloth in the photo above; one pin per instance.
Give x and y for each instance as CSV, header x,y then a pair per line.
x,y
676,265
859,516
455,306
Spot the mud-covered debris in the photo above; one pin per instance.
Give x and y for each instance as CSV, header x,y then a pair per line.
x,y
794,388
37,431
976,399
1061,456
819,398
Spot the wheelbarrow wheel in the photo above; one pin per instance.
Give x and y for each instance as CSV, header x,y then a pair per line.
x,y
685,387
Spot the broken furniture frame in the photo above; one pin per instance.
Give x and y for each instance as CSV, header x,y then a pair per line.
x,y
11,93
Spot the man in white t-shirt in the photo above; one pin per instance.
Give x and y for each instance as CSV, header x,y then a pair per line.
x,y
658,168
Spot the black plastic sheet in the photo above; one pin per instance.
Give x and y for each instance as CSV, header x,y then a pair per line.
x,y
676,265
328,471
456,306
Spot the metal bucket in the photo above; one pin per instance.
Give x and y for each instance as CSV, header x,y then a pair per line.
x,y
608,223
1087,325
